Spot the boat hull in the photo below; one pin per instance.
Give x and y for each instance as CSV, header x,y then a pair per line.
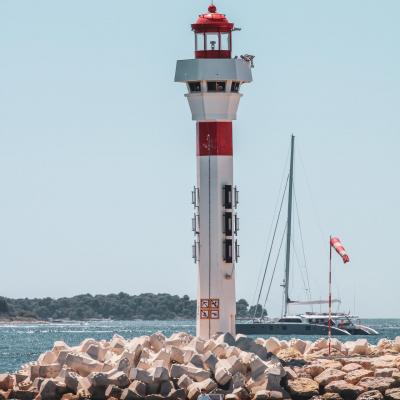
x,y
292,328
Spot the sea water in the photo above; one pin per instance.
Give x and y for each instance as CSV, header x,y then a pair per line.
x,y
23,343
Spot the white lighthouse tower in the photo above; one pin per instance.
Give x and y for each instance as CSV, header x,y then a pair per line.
x,y
213,79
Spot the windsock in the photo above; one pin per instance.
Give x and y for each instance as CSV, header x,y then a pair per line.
x,y
337,245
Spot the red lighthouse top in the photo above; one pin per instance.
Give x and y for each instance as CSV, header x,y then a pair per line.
x,y
213,34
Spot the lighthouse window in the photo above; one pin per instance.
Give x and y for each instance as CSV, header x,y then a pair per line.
x,y
212,41
199,41
225,41
216,86
227,196
195,86
235,87
228,250
212,86
228,223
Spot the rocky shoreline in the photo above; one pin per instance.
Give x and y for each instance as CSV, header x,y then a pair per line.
x,y
20,321
180,366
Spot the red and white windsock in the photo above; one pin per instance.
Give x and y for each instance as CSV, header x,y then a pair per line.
x,y
337,245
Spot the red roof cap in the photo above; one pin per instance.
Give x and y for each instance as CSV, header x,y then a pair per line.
x,y
212,21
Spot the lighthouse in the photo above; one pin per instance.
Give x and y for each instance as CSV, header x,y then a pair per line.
x,y
213,80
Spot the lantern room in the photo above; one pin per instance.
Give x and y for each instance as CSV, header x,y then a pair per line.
x,y
213,35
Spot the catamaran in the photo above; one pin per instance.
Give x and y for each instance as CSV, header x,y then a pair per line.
x,y
309,323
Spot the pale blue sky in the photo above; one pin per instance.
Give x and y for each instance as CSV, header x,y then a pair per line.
x,y
97,149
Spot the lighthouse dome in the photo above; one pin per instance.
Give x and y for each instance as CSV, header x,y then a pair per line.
x,y
212,21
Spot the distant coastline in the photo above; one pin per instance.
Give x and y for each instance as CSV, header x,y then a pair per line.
x,y
116,307
18,321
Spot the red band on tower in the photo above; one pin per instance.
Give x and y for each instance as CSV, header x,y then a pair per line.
x,y
214,139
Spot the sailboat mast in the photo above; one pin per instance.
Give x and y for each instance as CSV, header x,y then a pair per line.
x,y
289,227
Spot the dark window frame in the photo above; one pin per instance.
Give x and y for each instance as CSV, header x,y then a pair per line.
x,y
194,86
235,87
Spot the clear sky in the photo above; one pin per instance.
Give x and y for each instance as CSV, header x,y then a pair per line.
x,y
97,148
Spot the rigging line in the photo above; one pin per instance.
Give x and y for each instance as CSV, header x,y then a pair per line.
x,y
282,180
273,272
270,249
302,245
310,192
299,265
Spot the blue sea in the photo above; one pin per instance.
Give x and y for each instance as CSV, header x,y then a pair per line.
x,y
25,342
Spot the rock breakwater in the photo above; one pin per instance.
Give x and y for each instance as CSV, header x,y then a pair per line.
x,y
181,366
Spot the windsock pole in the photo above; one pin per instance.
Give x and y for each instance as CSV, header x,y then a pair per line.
x,y
330,295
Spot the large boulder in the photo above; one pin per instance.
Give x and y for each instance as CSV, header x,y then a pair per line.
x,y
392,394
97,352
59,346
113,391
222,375
386,361
303,388
328,376
299,345
142,375
83,365
360,347
355,376
47,358
18,394
208,385
289,354
184,382
157,341
159,374
344,389
197,361
210,361
220,350
272,345
373,383
197,374
71,380
83,347
176,355
135,390
268,395
49,390
257,367
396,344
6,382
49,371
371,395
197,344
351,367
385,372
314,369
119,379
290,373
226,338
247,344
209,345
165,388
238,381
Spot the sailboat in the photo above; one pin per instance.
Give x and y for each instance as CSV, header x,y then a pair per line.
x,y
309,323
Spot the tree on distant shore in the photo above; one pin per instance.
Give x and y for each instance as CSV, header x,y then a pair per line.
x,y
121,306
4,306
